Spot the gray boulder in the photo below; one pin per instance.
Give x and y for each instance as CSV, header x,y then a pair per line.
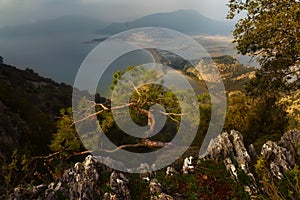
x,y
291,141
156,191
283,155
279,157
229,145
119,185
81,182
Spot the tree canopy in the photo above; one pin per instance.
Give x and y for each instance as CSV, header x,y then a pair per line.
x,y
148,106
270,32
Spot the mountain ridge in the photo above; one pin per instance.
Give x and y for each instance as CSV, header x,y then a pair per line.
x,y
29,107
186,21
68,24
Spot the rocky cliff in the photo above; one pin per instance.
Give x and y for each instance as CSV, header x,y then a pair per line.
x,y
93,180
279,156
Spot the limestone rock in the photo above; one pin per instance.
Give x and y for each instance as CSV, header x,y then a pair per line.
x,y
156,191
279,158
283,155
119,185
147,173
162,196
231,168
230,146
155,187
34,192
291,141
188,165
80,182
171,171
252,152
83,181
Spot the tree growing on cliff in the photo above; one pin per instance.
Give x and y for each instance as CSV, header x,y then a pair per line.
x,y
142,110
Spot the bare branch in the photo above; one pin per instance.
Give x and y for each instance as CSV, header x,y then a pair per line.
x,y
49,156
145,143
135,88
174,114
100,111
87,117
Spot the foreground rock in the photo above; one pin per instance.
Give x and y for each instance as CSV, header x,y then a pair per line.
x,y
230,145
119,185
156,191
87,180
230,149
83,181
283,155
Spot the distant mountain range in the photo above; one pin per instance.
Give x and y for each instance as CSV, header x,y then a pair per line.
x,y
186,21
70,24
50,45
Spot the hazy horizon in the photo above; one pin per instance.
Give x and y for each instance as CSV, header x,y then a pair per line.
x,y
16,12
56,48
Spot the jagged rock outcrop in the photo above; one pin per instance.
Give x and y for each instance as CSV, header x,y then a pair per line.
x,y
252,152
86,180
83,181
291,141
229,147
280,157
156,191
119,185
283,155
80,182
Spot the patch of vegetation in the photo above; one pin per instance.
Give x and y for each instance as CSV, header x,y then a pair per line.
x,y
209,181
29,107
139,189
272,188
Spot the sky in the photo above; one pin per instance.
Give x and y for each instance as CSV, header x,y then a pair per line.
x,y
15,12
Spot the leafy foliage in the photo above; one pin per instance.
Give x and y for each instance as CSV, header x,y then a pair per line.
x,y
29,105
66,138
292,103
272,188
209,181
258,119
20,168
143,106
270,31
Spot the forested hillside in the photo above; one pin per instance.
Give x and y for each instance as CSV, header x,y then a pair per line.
x,y
30,105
